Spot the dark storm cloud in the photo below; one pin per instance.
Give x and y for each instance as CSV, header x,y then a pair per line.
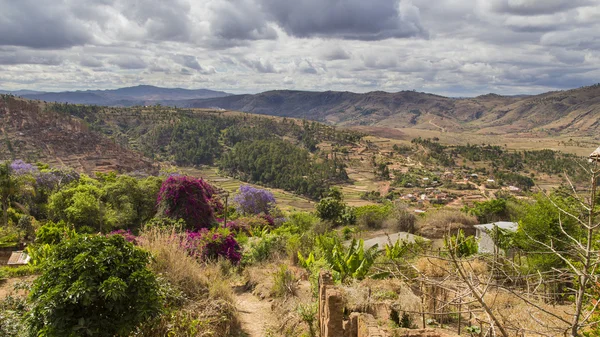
x,y
350,19
40,24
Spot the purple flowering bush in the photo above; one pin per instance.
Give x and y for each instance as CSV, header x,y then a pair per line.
x,y
191,199
212,244
252,200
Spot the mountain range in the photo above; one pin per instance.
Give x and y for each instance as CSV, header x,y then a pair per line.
x,y
557,112
129,96
575,111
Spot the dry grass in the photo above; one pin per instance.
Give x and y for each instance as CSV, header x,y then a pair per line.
x,y
432,266
437,224
208,307
170,261
516,314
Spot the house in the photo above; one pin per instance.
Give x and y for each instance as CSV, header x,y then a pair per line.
x,y
484,237
18,258
514,189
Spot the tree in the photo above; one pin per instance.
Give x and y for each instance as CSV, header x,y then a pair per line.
x,y
252,200
93,286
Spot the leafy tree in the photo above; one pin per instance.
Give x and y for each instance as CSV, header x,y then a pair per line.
x,y
93,286
252,200
79,204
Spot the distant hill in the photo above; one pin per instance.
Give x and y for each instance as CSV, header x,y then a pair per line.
x,y
571,111
138,95
33,133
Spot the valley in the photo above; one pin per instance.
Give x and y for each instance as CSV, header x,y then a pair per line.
x,y
300,198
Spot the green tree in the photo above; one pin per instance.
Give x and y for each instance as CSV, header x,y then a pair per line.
x,y
93,286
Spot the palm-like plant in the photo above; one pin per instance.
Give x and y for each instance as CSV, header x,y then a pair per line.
x,y
353,261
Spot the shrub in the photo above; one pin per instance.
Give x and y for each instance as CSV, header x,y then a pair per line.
x,y
247,224
402,220
284,283
462,245
437,224
52,233
213,244
331,209
252,200
126,234
190,199
93,286
372,216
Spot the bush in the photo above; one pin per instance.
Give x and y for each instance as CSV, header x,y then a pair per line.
x,y
213,244
93,286
402,220
372,216
190,199
284,283
439,223
247,224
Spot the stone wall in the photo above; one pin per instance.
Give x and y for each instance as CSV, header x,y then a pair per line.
x,y
332,322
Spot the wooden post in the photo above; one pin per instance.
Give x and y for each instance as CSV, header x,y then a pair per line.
x,y
459,315
423,305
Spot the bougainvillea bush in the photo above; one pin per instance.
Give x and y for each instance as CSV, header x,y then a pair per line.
x,y
252,200
191,199
212,244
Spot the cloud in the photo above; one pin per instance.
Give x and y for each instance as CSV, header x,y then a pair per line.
x,y
40,24
350,19
535,7
261,65
128,62
450,47
335,53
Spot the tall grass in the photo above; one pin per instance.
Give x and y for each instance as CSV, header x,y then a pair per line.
x,y
204,305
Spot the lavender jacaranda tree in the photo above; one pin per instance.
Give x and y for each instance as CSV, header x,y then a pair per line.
x,y
19,167
252,200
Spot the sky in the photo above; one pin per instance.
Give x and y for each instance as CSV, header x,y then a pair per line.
x,y
446,47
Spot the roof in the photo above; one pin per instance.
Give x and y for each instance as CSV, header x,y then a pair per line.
x,y
18,258
596,153
507,225
382,240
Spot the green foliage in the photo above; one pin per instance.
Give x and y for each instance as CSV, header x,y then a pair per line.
x,y
541,222
284,282
351,262
461,245
372,216
107,203
93,286
489,211
279,163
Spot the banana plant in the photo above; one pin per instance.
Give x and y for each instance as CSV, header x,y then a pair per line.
x,y
352,262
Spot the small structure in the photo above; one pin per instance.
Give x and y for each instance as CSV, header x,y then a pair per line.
x,y
483,234
385,239
18,258
514,189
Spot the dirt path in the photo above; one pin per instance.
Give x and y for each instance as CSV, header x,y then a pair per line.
x,y
256,317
